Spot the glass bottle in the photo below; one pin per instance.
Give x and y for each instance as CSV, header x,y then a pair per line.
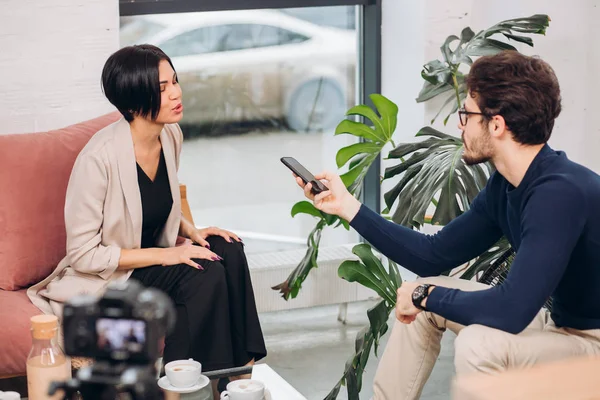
x,y
46,361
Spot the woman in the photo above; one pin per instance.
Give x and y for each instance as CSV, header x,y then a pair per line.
x,y
123,217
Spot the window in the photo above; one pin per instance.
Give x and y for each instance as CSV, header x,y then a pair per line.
x,y
212,39
271,36
198,41
238,37
252,36
325,16
135,31
266,84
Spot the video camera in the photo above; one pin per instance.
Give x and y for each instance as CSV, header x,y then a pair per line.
x,y
121,332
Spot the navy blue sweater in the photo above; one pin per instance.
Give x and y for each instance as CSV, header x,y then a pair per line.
x,y
552,220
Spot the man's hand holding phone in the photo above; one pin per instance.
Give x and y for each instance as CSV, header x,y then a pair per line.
x,y
337,200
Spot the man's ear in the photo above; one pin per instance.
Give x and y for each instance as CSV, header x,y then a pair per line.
x,y
497,126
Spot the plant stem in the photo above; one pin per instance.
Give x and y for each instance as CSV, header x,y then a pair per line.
x,y
455,84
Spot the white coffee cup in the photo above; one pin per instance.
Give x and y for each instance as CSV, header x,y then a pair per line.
x,y
183,373
244,389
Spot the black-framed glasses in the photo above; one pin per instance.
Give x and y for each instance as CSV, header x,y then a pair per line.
x,y
463,115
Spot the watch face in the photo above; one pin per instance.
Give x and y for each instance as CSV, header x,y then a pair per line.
x,y
418,292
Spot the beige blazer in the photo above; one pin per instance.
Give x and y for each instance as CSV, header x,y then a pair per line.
x,y
103,214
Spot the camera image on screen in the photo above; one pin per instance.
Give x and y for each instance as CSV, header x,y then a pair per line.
x,y
122,335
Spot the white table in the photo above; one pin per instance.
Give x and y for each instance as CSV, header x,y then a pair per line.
x,y
279,388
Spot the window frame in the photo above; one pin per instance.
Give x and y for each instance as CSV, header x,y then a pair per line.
x,y
132,7
368,71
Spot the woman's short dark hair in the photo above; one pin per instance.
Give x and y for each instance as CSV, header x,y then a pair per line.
x,y
130,80
523,90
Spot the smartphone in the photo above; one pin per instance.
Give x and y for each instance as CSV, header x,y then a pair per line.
x,y
304,174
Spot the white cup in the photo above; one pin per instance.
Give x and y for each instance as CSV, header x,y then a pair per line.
x,y
183,373
244,389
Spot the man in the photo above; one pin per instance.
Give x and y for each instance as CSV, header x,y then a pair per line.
x,y
547,206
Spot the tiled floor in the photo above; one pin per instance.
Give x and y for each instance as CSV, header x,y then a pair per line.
x,y
309,348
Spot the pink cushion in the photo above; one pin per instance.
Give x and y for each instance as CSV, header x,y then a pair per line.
x,y
15,313
34,172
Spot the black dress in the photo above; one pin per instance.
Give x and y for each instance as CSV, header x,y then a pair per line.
x,y
217,322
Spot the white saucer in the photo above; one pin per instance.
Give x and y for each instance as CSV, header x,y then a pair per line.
x,y
166,385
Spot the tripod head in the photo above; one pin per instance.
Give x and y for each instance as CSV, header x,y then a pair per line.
x,y
106,381
121,331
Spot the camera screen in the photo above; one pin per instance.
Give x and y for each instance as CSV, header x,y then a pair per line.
x,y
120,335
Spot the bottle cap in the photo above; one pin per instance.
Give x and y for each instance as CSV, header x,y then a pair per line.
x,y
44,326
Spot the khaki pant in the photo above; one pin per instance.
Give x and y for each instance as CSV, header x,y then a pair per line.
x,y
413,349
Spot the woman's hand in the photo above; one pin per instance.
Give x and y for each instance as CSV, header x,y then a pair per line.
x,y
336,201
185,253
200,235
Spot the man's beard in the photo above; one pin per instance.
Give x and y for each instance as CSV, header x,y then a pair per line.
x,y
476,159
483,150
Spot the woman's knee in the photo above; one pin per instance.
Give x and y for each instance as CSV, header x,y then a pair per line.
x,y
210,270
211,282
216,269
220,240
219,243
233,253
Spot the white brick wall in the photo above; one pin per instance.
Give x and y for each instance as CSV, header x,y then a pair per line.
x,y
51,58
413,32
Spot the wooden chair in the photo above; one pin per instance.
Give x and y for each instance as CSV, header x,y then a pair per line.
x,y
185,206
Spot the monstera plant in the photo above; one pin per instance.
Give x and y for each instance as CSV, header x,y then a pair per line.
x,y
429,173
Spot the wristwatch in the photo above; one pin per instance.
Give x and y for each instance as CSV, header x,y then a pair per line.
x,y
419,294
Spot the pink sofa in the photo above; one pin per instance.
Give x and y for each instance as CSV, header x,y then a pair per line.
x,y
34,172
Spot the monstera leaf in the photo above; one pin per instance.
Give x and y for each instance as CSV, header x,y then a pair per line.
x,y
483,262
444,76
369,272
373,137
359,157
433,171
291,286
